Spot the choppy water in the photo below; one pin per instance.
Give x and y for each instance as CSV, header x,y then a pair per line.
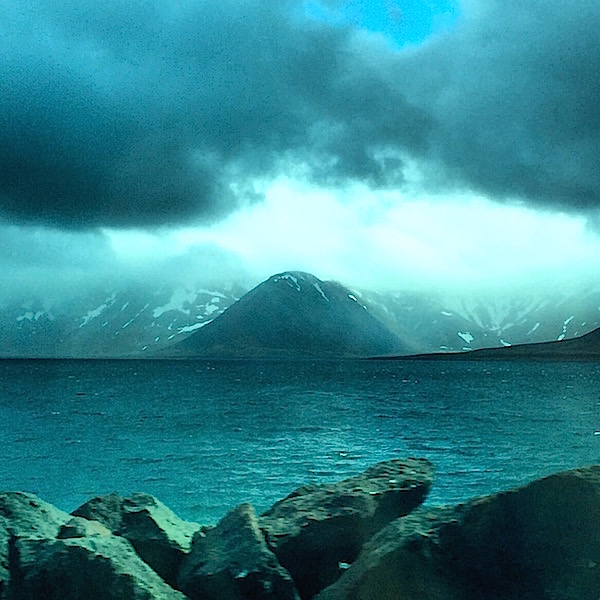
x,y
204,436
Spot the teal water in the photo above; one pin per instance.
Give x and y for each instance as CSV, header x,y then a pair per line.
x,y
204,436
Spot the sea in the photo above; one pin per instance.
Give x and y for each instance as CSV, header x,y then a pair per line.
x,y
204,436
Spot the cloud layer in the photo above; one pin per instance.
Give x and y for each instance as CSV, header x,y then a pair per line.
x,y
514,92
137,114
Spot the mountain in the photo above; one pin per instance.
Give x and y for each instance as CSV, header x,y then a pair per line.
x,y
293,314
585,347
144,320
109,322
469,320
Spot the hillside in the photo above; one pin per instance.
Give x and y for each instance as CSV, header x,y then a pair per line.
x,y
585,347
293,314
142,320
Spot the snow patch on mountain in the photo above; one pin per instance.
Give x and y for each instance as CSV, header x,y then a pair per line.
x,y
194,327
290,278
30,316
96,312
320,290
178,301
563,335
467,336
213,293
212,306
495,315
125,325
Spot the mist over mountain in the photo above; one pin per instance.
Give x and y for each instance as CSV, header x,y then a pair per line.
x,y
476,319
109,322
293,314
143,321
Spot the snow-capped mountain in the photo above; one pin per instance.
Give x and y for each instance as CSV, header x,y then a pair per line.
x,y
582,348
293,314
109,323
430,323
143,322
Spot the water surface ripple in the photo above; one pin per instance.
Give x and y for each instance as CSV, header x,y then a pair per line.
x,y
204,436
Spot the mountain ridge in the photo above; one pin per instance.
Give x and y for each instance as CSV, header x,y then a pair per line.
x,y
292,314
581,348
139,321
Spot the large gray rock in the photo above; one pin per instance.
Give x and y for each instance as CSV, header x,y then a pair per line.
x,y
232,562
107,509
4,566
319,529
160,537
24,515
537,542
395,564
91,568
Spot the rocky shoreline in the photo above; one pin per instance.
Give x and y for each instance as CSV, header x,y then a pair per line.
x,y
366,537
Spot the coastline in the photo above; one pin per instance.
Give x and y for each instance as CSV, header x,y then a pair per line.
x,y
368,536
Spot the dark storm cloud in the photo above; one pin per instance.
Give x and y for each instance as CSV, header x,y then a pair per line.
x,y
515,91
151,113
120,114
143,113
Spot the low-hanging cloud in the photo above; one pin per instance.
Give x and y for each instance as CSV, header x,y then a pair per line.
x,y
133,114
40,263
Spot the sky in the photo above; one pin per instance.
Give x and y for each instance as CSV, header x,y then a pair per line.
x,y
424,144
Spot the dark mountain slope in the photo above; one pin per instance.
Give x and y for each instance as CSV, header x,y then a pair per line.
x,y
586,347
292,314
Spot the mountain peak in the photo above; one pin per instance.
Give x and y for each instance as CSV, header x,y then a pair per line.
x,y
302,282
295,279
293,314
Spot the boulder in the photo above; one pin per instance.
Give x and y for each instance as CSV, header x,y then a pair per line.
x,y
395,564
537,542
159,536
319,529
232,562
24,515
4,566
107,509
89,568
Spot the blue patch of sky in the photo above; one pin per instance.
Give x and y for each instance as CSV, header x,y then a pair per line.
x,y
402,22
